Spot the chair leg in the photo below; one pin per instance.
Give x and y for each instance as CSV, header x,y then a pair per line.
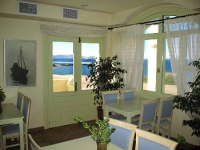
x,y
26,138
4,143
169,131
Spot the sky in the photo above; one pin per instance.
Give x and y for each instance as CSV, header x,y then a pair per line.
x,y
66,48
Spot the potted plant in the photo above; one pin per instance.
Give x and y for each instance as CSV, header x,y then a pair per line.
x,y
2,98
104,75
99,132
190,102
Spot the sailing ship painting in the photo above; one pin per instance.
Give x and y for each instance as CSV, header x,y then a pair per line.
x,y
19,63
19,71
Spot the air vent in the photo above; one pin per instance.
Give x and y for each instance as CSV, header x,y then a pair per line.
x,y
28,8
69,13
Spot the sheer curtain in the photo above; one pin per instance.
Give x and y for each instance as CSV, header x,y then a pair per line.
x,y
72,30
128,45
183,38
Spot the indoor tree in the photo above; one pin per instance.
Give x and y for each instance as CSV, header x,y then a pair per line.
x,y
190,102
105,75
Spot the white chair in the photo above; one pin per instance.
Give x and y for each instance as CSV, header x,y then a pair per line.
x,y
20,101
164,118
150,141
12,131
147,115
33,144
112,97
124,134
127,94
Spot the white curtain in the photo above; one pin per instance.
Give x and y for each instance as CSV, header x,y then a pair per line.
x,y
183,38
72,30
128,45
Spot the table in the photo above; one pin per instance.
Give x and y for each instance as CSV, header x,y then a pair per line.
x,y
11,115
85,143
127,108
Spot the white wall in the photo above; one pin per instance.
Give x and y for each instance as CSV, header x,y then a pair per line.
x,y
24,30
14,26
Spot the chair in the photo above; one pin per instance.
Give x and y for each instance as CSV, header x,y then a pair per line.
x,y
112,97
124,134
12,131
164,118
147,115
20,100
33,144
127,94
150,141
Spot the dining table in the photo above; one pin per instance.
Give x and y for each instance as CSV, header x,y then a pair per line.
x,y
84,143
128,108
11,115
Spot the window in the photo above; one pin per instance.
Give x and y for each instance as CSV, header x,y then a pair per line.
x,y
157,70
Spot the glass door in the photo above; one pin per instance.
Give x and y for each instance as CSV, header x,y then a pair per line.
x,y
66,70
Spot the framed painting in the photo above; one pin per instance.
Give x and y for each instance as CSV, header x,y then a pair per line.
x,y
19,63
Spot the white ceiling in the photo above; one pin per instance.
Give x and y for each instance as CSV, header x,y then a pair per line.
x,y
113,6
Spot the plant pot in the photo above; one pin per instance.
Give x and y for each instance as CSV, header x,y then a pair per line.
x,y
0,108
101,146
100,112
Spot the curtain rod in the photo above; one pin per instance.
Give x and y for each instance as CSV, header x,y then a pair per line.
x,y
154,21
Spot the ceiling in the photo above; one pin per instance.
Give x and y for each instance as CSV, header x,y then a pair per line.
x,y
114,6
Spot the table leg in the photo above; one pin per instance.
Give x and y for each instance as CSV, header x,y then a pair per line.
x,y
21,133
128,119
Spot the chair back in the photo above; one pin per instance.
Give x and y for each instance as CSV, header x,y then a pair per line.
x,y
20,100
127,94
124,134
166,107
148,141
26,111
165,112
110,96
33,144
148,112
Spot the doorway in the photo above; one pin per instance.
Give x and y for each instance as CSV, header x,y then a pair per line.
x,y
66,92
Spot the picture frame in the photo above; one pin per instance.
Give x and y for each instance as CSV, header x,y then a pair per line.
x,y
19,63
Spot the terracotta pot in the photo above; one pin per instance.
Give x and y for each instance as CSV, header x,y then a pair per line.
x,y
0,108
100,112
101,146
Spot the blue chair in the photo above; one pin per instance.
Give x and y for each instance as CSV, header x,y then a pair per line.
x,y
164,118
147,114
112,97
33,144
127,94
150,141
124,134
12,131
20,101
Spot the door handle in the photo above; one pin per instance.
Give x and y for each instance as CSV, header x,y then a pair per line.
x,y
75,86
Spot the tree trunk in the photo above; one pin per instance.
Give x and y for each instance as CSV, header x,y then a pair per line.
x,y
100,112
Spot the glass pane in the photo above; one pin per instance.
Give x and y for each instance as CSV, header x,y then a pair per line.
x,y
150,65
169,83
152,28
63,66
89,52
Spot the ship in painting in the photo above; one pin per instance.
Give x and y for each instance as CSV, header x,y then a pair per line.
x,y
19,71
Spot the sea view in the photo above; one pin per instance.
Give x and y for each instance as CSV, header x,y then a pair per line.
x,y
64,66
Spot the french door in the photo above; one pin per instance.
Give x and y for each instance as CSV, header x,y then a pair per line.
x,y
66,93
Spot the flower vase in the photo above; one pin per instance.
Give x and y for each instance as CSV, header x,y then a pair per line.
x,y
101,146
0,108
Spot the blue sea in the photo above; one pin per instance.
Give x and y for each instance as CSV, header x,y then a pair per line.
x,y
67,70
